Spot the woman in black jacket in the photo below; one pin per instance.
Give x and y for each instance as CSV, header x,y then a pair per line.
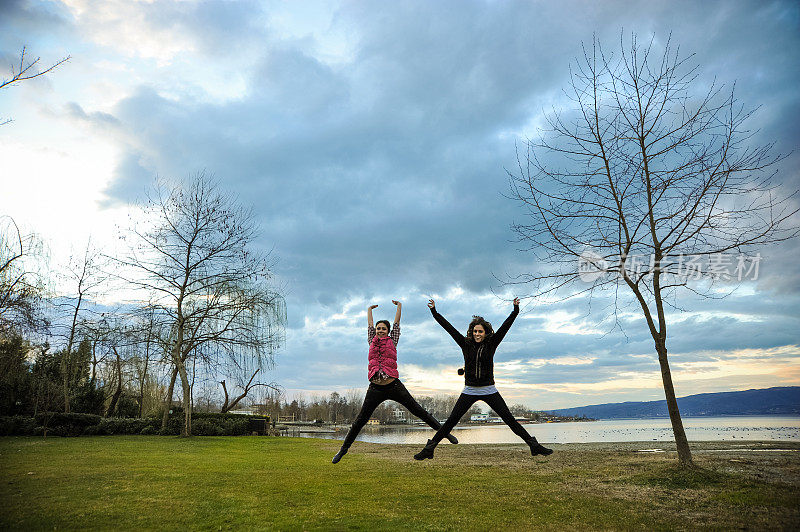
x,y
478,348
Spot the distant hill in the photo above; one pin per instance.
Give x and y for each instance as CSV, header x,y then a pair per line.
x,y
779,401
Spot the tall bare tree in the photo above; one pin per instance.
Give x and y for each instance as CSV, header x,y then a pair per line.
x,y
641,178
85,276
25,70
148,349
207,280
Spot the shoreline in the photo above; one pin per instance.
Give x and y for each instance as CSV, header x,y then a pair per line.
x,y
642,446
329,426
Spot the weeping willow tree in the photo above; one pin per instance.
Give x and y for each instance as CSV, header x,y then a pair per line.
x,y
22,280
207,281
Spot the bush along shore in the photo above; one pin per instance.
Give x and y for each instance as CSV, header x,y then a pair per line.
x,y
73,424
203,424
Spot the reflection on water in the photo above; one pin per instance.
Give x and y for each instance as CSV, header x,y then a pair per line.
x,y
697,429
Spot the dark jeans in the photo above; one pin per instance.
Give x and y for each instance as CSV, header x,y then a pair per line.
x,y
495,402
376,394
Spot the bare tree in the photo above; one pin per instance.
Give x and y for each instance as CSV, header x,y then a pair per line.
x,y
21,281
46,390
208,283
25,70
149,347
117,334
117,379
96,332
84,273
641,178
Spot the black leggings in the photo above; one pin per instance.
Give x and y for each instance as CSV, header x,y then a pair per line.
x,y
495,402
378,393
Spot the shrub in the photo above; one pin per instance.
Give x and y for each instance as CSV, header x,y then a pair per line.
x,y
60,430
205,427
16,426
122,425
62,424
227,424
75,424
236,427
92,430
127,406
173,428
88,399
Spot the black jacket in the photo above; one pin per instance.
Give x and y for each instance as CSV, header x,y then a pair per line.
x,y
478,357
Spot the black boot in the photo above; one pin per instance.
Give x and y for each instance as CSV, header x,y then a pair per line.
x,y
452,439
426,452
342,452
538,448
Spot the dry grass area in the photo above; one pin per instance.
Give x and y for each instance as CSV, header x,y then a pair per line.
x,y
735,484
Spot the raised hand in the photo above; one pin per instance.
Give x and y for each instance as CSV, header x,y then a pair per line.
x,y
372,307
395,302
516,302
431,303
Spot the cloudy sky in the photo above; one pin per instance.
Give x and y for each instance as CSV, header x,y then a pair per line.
x,y
371,139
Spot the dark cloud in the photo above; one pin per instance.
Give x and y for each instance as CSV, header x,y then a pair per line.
x,y
24,21
96,119
380,173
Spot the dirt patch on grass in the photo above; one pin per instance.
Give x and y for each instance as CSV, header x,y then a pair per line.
x,y
734,484
777,462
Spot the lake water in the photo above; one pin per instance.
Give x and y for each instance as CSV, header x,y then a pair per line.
x,y
697,429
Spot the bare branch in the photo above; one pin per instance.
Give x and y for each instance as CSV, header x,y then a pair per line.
x,y
26,70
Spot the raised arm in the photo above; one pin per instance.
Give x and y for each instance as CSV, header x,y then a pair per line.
x,y
498,335
457,336
399,308
369,315
370,324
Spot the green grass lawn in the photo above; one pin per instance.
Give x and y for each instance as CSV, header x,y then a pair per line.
x,y
135,482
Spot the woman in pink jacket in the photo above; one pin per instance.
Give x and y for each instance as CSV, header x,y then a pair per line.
x,y
384,379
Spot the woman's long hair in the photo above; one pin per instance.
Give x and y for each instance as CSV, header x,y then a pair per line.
x,y
478,320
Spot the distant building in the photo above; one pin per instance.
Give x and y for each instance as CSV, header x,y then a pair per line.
x,y
399,414
373,421
479,417
243,411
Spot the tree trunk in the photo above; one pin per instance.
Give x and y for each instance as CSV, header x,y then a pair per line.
x,y
65,361
65,379
168,402
682,444
187,400
144,377
94,363
113,404
226,406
